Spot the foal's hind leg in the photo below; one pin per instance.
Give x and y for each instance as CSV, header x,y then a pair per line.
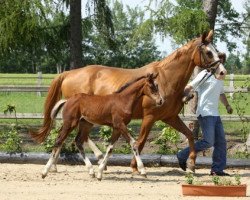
x,y
80,139
64,131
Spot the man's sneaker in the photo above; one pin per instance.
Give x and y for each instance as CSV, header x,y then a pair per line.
x,y
219,174
182,164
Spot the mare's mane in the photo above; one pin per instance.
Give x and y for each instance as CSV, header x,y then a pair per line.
x,y
178,53
128,84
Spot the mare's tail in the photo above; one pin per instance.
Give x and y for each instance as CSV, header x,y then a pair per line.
x,y
54,95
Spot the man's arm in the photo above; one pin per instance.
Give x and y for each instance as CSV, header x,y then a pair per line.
x,y
224,100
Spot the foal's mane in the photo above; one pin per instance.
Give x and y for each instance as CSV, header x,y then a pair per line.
x,y
128,84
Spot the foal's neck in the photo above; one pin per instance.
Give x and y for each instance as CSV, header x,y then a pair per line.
x,y
132,93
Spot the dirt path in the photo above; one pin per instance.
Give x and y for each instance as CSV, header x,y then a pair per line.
x,y
23,181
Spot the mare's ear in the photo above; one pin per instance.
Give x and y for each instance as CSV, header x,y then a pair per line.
x,y
222,57
209,37
203,37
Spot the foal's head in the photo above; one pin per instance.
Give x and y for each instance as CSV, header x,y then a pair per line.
x,y
151,89
209,58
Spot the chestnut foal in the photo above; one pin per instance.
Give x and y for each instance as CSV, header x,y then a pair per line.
x,y
114,110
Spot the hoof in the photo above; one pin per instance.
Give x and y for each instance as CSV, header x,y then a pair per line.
x,y
191,168
135,173
144,175
99,179
43,176
92,175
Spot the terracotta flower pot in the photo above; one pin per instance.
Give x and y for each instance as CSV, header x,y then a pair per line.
x,y
214,190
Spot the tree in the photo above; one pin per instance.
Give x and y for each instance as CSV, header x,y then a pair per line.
x,y
131,51
75,34
233,63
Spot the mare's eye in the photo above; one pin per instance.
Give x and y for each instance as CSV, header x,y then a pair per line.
x,y
209,54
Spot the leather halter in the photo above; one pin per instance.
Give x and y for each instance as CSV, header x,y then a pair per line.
x,y
208,65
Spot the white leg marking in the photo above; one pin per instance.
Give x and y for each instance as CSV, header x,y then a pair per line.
x,y
104,162
140,165
94,148
50,162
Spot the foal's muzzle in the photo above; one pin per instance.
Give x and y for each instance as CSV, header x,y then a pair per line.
x,y
159,102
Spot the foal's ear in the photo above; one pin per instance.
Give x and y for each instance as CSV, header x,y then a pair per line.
x,y
152,75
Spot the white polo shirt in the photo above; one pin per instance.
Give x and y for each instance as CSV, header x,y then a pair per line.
x,y
209,91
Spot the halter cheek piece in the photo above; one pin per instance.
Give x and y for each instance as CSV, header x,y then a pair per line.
x,y
208,65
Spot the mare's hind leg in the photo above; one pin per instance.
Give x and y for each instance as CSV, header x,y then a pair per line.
x,y
80,139
64,131
114,137
179,125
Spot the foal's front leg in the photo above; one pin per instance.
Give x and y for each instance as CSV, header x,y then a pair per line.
x,y
135,151
114,137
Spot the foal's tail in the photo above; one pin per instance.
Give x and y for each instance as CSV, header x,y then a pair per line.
x,y
54,95
57,108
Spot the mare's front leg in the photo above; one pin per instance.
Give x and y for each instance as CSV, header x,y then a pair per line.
x,y
147,123
64,131
180,126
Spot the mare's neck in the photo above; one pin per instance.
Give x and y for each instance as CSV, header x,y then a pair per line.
x,y
178,67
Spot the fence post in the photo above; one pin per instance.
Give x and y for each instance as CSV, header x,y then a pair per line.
x,y
231,85
39,82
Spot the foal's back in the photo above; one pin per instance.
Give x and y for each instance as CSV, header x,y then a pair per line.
x,y
95,109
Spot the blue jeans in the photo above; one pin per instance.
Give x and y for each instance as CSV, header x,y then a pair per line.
x,y
213,136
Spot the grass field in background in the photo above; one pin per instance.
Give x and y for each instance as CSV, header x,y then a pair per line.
x,y
29,102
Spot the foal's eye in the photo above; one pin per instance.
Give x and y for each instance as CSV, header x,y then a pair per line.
x,y
209,54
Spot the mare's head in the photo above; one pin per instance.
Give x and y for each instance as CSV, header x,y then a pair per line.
x,y
208,57
151,89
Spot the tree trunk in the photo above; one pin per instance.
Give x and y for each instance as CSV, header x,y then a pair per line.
x,y
210,8
75,34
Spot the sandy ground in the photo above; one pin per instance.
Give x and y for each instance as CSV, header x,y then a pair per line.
x,y
23,181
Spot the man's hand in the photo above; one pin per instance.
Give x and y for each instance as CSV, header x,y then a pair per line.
x,y
229,109
188,94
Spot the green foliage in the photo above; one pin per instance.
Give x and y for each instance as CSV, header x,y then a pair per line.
x,y
182,22
216,180
10,140
241,102
226,180
68,146
168,138
237,179
233,63
105,134
189,178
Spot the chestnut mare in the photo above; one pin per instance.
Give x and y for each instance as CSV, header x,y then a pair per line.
x,y
114,110
174,73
